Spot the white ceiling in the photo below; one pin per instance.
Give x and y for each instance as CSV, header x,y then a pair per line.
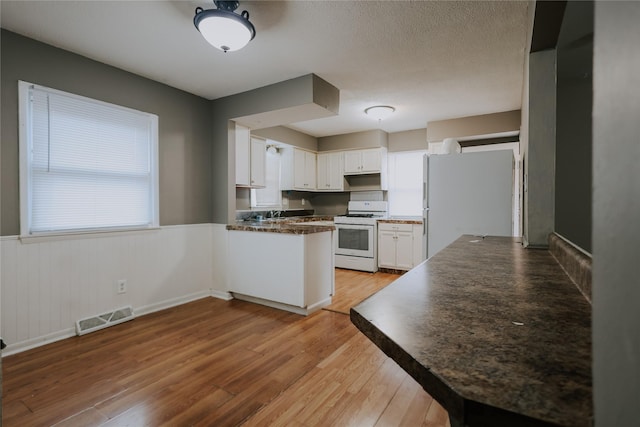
x,y
431,60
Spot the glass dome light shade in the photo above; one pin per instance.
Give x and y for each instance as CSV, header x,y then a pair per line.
x,y
380,112
224,30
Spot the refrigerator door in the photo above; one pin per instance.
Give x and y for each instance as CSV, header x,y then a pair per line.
x,y
425,206
425,181
469,194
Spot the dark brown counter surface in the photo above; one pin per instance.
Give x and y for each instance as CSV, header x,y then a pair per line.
x,y
292,225
496,333
400,221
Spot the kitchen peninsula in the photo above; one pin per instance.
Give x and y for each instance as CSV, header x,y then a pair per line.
x,y
286,264
499,335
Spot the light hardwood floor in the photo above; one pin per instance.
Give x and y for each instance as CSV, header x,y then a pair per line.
x,y
220,363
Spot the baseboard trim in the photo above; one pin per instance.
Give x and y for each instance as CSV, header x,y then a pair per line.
x,y
281,306
21,346
574,261
221,295
152,308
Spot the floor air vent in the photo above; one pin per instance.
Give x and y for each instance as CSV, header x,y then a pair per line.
x,y
101,321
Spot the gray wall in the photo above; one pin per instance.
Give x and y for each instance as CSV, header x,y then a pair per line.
x,y
539,159
366,139
616,209
574,55
288,136
184,124
411,140
507,121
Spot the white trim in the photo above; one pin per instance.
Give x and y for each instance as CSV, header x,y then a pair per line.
x,y
162,305
74,235
281,306
226,296
32,343
23,144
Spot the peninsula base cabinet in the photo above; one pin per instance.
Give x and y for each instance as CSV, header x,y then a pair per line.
x,y
293,272
399,245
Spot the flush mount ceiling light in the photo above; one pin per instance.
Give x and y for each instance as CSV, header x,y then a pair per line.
x,y
223,28
380,112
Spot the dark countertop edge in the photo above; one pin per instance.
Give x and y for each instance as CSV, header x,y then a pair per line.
x,y
463,409
436,388
400,221
281,228
477,413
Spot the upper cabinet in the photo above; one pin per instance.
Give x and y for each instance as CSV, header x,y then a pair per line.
x,y
330,175
358,162
250,159
298,170
258,162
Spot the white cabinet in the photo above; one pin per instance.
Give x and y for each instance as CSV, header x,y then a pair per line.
x,y
258,162
330,175
250,159
399,245
364,161
293,272
298,170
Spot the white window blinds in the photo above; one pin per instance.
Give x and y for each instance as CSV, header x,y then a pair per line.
x,y
405,183
87,164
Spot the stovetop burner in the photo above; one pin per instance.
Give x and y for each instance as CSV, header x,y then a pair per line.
x,y
360,215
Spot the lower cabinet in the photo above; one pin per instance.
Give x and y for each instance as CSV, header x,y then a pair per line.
x,y
293,272
399,245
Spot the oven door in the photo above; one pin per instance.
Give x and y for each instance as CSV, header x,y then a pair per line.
x,y
355,240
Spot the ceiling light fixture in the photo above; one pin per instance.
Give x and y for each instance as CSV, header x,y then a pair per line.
x,y
223,28
380,112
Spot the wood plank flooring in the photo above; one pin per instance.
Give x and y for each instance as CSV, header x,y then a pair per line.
x,y
220,363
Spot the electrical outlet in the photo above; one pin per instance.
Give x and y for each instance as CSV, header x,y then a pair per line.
x,y
121,286
303,202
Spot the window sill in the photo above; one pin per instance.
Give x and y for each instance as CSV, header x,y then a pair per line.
x,y
89,234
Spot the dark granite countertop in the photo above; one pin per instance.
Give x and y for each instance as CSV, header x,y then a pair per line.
x,y
400,221
498,334
292,225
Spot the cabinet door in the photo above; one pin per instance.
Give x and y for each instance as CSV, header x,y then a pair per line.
x,y
371,161
352,162
404,250
335,171
310,170
258,162
330,172
386,249
323,178
299,172
243,156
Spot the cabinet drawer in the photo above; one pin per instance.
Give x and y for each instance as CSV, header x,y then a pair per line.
x,y
386,226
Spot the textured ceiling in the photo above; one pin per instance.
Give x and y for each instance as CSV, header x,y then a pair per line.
x,y
432,60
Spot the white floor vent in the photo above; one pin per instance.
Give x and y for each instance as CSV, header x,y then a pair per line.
x,y
101,321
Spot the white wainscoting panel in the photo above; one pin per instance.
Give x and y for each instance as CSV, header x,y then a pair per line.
x,y
48,284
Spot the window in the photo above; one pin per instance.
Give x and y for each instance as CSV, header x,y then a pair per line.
x,y
85,165
270,196
405,183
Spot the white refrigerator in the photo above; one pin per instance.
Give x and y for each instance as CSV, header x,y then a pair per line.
x,y
468,193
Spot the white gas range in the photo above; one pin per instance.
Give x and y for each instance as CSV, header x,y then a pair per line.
x,y
357,235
